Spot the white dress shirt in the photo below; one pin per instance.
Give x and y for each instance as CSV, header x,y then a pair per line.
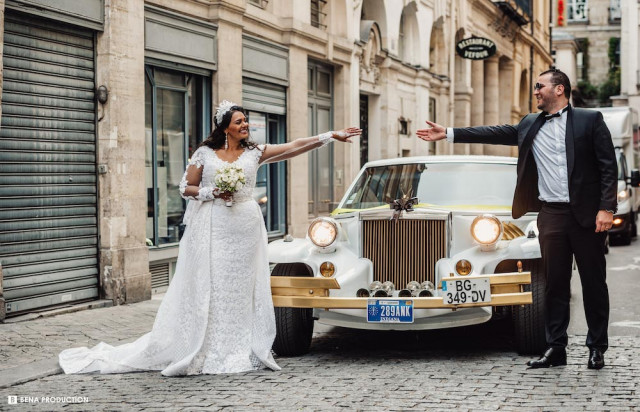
x,y
550,154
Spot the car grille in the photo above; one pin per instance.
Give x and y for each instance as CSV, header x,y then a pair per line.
x,y
404,250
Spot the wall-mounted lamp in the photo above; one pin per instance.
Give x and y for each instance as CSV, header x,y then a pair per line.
x,y
102,94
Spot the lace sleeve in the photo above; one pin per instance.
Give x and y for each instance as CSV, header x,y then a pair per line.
x,y
190,185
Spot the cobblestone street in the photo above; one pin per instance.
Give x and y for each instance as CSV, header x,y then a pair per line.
x,y
441,370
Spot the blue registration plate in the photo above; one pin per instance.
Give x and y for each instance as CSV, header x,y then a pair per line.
x,y
389,311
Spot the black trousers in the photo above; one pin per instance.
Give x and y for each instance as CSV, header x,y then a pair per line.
x,y
561,238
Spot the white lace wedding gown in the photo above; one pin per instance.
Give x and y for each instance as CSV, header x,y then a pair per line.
x,y
217,315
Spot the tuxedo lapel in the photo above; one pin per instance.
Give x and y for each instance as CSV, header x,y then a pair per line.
x,y
569,143
533,131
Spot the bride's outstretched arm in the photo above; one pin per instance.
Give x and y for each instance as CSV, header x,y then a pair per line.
x,y
278,152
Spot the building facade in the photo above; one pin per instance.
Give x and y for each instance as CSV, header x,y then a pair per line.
x,y
104,100
587,46
630,57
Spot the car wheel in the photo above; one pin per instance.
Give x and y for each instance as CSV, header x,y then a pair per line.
x,y
294,326
529,329
606,245
634,225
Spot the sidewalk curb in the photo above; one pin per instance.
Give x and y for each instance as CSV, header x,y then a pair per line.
x,y
29,372
96,304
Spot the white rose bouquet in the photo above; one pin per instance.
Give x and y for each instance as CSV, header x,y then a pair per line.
x,y
230,179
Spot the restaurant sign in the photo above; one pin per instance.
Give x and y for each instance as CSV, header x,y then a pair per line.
x,y
476,48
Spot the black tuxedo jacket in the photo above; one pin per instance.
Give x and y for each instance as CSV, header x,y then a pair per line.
x,y
591,161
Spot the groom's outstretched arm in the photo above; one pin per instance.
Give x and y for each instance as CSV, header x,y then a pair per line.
x,y
503,135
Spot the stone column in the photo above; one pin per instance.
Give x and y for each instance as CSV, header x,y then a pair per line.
x,y
298,126
462,101
566,49
122,208
477,101
228,77
492,101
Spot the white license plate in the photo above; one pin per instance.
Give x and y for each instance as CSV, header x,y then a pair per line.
x,y
389,311
458,291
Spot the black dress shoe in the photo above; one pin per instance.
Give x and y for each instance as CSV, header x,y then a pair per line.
x,y
596,359
552,357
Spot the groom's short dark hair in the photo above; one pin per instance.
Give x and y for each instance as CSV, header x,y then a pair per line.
x,y
559,77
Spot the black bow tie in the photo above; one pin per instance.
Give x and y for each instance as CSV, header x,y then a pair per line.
x,y
551,116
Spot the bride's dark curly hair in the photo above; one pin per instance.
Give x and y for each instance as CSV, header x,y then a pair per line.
x,y
216,139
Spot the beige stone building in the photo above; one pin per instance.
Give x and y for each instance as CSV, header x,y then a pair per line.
x,y
582,31
104,100
497,90
630,57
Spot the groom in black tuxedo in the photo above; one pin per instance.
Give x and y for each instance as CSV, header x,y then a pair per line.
x,y
567,172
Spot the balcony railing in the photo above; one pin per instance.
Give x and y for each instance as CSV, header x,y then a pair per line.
x,y
517,10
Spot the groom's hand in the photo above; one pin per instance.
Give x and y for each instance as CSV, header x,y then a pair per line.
x,y
436,132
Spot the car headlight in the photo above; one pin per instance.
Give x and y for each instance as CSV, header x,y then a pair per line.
x,y
623,195
323,231
486,230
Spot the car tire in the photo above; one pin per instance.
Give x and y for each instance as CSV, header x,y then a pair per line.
x,y
634,225
606,245
530,338
294,326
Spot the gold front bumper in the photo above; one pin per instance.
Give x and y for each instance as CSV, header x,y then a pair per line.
x,y
304,292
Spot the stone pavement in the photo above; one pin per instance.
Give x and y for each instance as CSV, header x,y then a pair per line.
x,y
462,369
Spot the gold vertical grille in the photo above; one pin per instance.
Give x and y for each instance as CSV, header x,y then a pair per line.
x,y
405,250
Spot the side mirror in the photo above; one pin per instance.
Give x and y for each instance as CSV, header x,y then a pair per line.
x,y
635,178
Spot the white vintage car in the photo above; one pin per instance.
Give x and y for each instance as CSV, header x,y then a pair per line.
x,y
416,243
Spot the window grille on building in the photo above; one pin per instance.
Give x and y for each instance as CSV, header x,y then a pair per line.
x,y
318,16
577,10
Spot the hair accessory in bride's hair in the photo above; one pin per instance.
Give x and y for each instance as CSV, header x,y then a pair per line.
x,y
223,108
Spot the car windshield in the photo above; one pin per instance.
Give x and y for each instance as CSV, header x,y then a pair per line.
x,y
440,184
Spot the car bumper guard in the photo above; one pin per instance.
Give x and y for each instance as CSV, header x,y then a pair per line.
x,y
507,289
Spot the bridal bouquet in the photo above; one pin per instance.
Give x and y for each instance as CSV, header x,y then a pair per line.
x,y
229,179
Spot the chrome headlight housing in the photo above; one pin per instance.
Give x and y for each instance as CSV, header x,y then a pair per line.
x,y
486,230
323,232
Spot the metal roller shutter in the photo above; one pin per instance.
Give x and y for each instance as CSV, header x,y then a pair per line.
x,y
264,97
48,192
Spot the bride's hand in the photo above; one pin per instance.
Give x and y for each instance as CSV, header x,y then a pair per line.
x,y
226,196
345,134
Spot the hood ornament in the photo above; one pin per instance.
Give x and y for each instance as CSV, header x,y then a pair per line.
x,y
405,203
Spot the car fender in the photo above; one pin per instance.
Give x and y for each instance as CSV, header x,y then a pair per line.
x,y
352,271
294,251
485,262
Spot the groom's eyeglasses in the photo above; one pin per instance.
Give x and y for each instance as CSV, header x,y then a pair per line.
x,y
539,86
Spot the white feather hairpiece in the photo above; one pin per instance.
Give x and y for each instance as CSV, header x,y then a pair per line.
x,y
223,108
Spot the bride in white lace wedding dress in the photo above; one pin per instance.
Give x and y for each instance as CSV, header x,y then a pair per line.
x,y
217,315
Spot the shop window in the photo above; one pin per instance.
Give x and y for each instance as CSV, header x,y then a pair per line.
x,y
577,11
176,121
270,190
320,112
